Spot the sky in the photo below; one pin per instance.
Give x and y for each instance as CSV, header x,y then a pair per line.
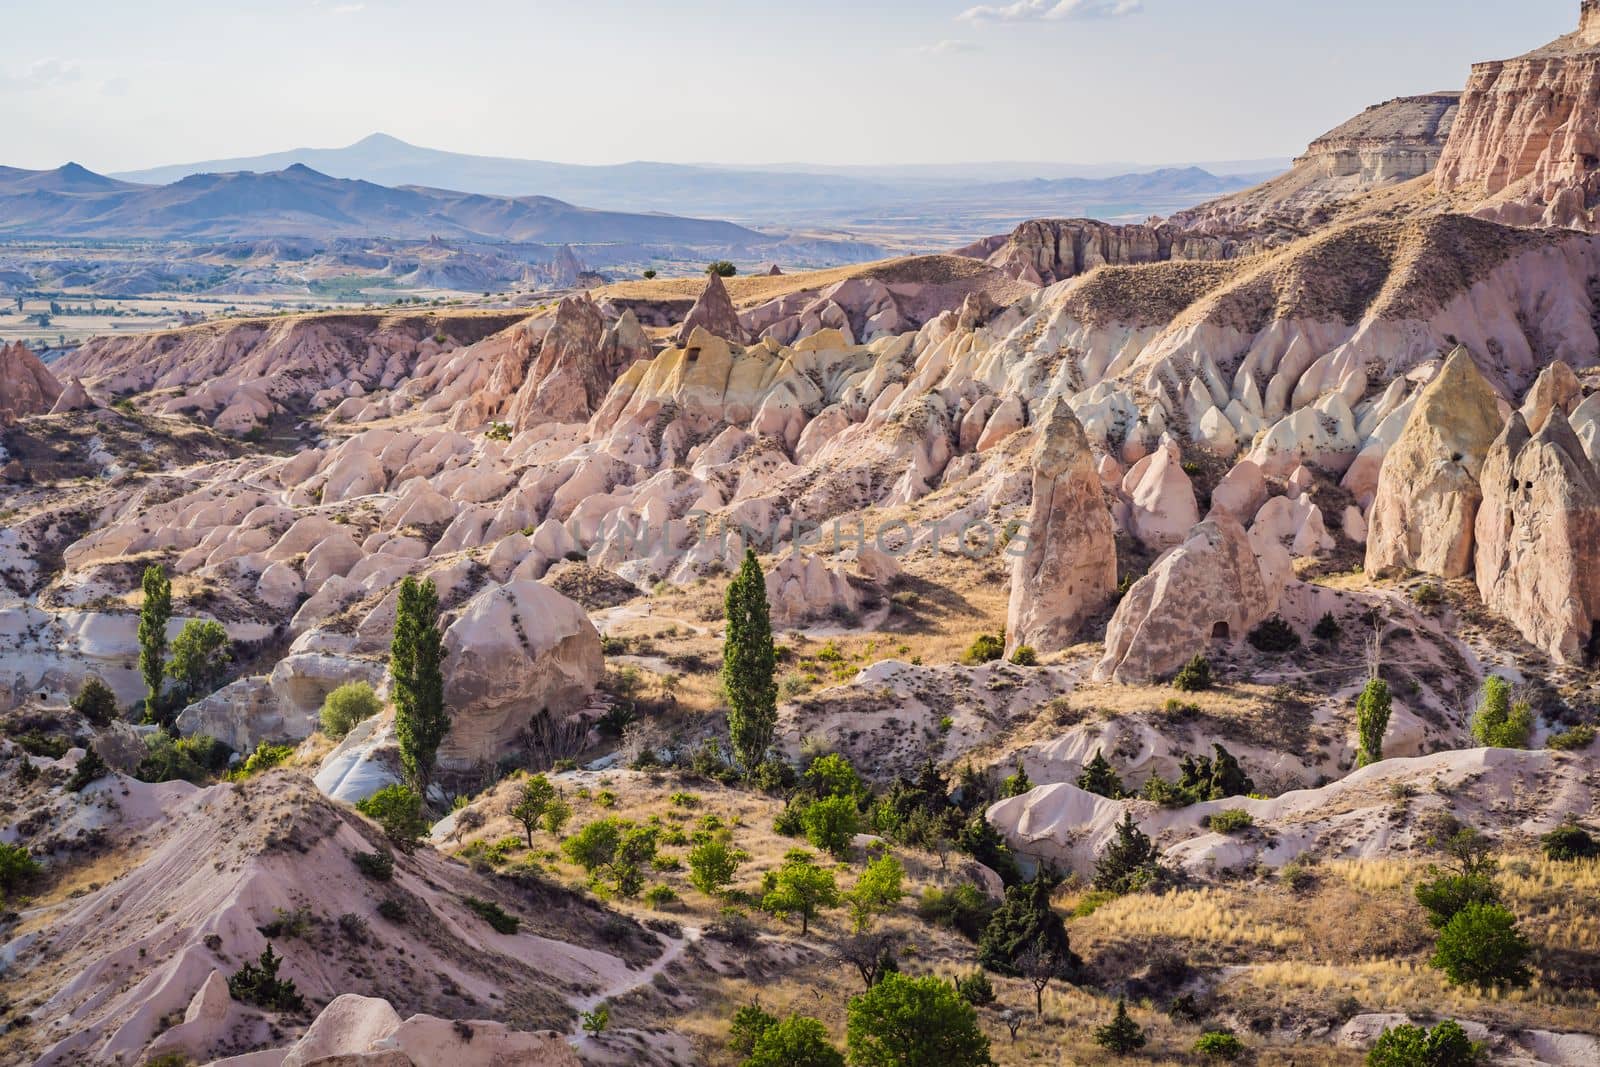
x,y
116,85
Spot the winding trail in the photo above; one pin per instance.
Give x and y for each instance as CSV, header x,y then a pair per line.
x,y
632,980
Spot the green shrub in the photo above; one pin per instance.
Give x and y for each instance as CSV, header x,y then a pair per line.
x,y
945,1033
660,895
346,706
95,702
1569,842
17,868
1121,1035
1100,778
1025,656
797,1041
747,1026
722,268
498,431
398,809
985,648
1327,628
265,757
393,909
964,908
1219,1044
497,917
1194,676
1372,721
1444,896
377,865
1427,595
1230,821
1574,739
976,989
90,768
1499,721
1274,635
1481,946
258,983
1446,1045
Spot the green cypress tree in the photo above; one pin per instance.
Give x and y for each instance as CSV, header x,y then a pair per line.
x,y
1026,923
416,659
1372,721
153,617
1099,777
748,664
1227,777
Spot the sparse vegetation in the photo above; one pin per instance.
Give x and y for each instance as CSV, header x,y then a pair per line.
x,y
349,704
1194,677
398,809
258,983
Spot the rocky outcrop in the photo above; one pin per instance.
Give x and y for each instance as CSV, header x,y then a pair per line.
x,y
74,397
802,588
26,385
1207,589
1044,251
577,360
1068,570
1527,138
714,312
1394,141
1428,494
1538,537
513,651
356,1029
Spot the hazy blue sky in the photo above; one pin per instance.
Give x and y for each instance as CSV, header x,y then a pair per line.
x,y
117,85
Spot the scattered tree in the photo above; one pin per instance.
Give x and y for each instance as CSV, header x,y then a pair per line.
x,y
798,1041
95,702
832,823
90,768
351,703
1569,842
1130,861
976,989
800,887
200,658
1372,720
532,801
398,809
877,892
1026,937
1499,721
1099,777
1481,946
1467,878
258,983
416,659
747,1026
153,616
1121,1035
722,268
748,663
595,1022
1017,783
901,1022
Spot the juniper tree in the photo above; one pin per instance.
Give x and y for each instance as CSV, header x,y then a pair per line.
x,y
1129,860
153,616
748,664
416,660
1121,1035
1099,777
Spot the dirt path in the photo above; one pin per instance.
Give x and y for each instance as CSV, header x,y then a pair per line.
x,y
632,980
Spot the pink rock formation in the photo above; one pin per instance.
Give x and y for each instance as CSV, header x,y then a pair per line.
x,y
714,311
1428,492
578,359
1538,537
1068,570
1044,251
1207,589
26,385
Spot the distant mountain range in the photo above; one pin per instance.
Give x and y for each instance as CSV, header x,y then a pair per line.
x,y
297,201
785,194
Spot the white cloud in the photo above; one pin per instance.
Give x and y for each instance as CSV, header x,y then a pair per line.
x,y
348,9
948,48
41,74
1039,10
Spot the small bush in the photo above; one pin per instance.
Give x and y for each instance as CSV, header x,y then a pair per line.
x,y
501,921
346,706
95,702
398,809
498,431
1025,656
379,865
1446,1045
831,824
1219,1044
1194,676
393,909
258,983
265,757
1575,739
1500,721
964,908
660,895
976,989
1274,635
90,768
1230,821
747,1026
1427,595
1327,628
985,648
1569,842
17,868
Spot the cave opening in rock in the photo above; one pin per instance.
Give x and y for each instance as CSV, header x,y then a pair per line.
x,y
1219,632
